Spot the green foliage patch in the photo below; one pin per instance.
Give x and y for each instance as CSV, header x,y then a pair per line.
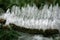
x,y
5,4
8,34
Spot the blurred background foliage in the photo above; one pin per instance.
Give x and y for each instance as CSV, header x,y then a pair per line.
x,y
5,4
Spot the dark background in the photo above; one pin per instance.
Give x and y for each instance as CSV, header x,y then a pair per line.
x,y
5,4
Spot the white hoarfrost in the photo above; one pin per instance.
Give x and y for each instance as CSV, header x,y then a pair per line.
x,y
34,18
